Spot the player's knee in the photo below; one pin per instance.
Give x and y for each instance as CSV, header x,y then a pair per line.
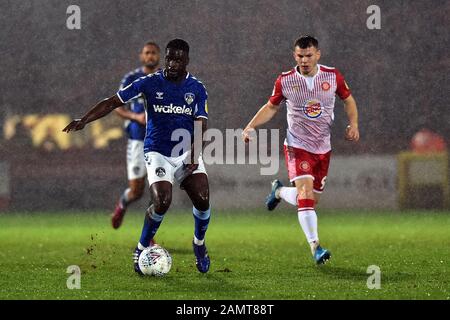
x,y
202,205
162,202
202,201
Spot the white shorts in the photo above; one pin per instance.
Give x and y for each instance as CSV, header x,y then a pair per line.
x,y
170,169
135,159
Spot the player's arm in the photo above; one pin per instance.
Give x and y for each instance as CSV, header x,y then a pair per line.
x,y
98,111
352,131
195,152
344,92
266,112
129,115
261,117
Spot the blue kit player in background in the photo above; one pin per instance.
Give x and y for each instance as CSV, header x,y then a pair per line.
x,y
175,101
134,114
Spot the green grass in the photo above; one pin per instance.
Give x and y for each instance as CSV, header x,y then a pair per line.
x,y
255,255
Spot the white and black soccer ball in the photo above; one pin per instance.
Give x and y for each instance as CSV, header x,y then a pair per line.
x,y
155,261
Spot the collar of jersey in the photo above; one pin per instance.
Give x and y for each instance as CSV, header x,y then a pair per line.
x,y
175,84
300,74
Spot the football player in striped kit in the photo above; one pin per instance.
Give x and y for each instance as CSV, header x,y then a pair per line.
x,y
309,92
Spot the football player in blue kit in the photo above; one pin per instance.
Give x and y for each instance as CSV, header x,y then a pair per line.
x,y
175,101
134,115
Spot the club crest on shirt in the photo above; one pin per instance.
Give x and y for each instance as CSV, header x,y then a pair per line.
x,y
325,86
313,109
189,98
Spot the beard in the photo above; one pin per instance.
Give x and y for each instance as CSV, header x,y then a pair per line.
x,y
151,64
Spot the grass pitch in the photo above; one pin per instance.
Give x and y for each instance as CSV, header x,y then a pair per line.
x,y
254,255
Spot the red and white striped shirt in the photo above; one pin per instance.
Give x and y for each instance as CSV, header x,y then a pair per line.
x,y
310,106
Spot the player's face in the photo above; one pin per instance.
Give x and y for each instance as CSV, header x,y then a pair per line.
x,y
176,63
150,56
307,59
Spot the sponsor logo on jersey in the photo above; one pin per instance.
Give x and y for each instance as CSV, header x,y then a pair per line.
x,y
172,109
189,98
313,109
159,95
326,86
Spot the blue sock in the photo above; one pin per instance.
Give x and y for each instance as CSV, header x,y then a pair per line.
x,y
151,224
201,222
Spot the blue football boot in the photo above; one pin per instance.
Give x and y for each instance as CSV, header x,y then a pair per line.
x,y
321,255
136,255
201,257
272,201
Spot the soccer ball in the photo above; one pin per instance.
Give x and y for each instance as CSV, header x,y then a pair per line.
x,y
155,261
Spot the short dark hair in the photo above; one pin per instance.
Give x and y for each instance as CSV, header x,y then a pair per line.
x,y
306,41
178,44
152,43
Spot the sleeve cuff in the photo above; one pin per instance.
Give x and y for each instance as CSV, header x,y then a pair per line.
x,y
120,98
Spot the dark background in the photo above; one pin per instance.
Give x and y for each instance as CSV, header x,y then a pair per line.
x,y
398,75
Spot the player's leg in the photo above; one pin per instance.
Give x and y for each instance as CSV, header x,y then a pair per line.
x,y
133,193
278,191
305,207
136,172
309,190
160,178
288,194
308,218
197,187
161,194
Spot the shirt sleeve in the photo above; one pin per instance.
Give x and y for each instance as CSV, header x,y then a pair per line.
x,y
277,95
132,91
126,81
342,90
201,106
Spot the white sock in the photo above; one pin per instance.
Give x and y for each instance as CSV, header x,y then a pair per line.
x,y
140,246
288,194
198,242
308,221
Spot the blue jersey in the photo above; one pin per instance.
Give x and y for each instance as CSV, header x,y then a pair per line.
x,y
135,130
169,106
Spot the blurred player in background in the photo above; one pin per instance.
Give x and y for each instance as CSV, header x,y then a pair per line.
x,y
309,92
175,100
134,114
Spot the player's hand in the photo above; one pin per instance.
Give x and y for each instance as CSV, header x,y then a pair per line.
x,y
352,133
75,125
140,118
248,134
